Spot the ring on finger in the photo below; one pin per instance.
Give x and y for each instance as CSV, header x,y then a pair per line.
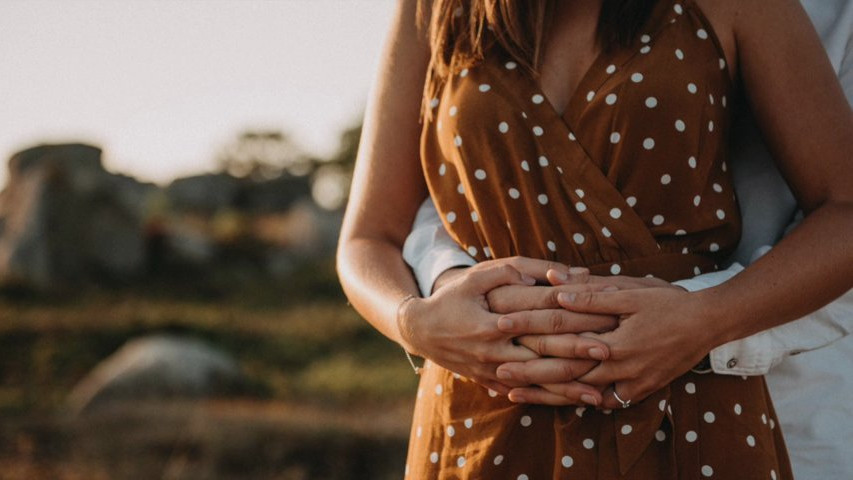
x,y
624,403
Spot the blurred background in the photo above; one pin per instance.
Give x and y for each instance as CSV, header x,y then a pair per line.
x,y
175,174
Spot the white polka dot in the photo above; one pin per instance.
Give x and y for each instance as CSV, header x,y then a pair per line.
x,y
580,193
709,417
697,200
692,162
493,393
503,127
442,169
526,421
522,477
615,213
610,68
711,98
433,103
691,436
610,99
714,247
480,174
498,460
717,188
710,125
649,143
590,95
451,217
707,470
631,201
580,207
657,220
651,102
685,251
645,49
691,87
615,269
701,33
487,252
772,424
460,462
665,179
433,457
567,461
485,87
460,188
525,166
588,443
451,431
696,271
724,166
510,65
677,8
724,101
772,474
679,54
645,39
457,140
472,250
680,126
721,214
690,388
453,110
579,411
660,435
578,238
543,161
463,73
750,440
680,232
537,130
552,246
662,405
537,99
572,136
764,419
626,429
474,217
606,232
615,137
637,77
543,199
514,193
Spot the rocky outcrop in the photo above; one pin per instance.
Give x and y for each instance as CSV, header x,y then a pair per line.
x,y
158,367
63,217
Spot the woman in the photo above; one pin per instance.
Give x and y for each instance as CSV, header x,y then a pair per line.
x,y
591,140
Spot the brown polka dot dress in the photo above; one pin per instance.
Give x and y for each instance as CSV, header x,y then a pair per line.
x,y
630,180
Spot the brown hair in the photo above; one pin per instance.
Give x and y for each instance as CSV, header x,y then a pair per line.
x,y
462,31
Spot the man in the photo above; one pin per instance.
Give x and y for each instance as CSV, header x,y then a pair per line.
x,y
812,392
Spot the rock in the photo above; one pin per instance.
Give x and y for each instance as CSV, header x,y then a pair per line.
x,y
64,218
158,367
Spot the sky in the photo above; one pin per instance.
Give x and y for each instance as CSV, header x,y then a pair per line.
x,y
162,85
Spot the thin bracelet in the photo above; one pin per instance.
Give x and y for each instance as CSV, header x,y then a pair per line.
x,y
416,368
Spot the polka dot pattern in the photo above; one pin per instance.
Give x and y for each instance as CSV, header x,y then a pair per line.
x,y
626,179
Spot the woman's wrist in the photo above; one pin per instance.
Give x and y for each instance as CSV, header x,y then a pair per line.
x,y
407,323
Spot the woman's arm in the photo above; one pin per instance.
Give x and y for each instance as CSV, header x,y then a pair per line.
x,y
454,329
808,125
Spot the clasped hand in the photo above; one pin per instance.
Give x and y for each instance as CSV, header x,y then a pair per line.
x,y
570,340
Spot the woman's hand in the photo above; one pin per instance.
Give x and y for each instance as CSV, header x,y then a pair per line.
x,y
455,328
662,333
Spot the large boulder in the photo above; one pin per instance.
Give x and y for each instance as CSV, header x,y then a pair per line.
x,y
158,367
63,218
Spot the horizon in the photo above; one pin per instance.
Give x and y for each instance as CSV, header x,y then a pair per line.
x,y
161,97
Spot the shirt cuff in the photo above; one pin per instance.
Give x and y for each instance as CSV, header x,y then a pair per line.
x,y
432,266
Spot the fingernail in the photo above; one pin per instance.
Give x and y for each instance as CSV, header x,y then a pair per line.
x,y
528,279
516,398
609,288
504,374
596,353
564,297
589,399
505,323
562,276
578,270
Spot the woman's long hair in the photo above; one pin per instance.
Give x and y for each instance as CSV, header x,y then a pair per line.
x,y
462,31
